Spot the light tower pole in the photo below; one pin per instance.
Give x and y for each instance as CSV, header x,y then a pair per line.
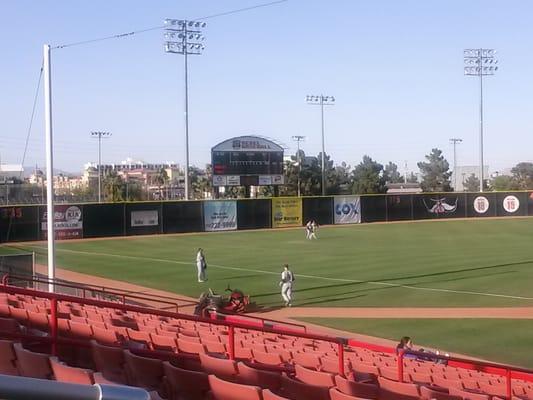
x,y
480,62
184,37
298,139
454,141
321,101
50,231
100,135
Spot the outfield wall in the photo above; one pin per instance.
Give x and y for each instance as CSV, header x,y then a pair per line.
x,y
76,221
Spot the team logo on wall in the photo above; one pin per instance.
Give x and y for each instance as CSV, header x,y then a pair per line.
x,y
440,206
511,204
481,204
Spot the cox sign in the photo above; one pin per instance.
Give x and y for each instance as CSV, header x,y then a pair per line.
x,y
347,209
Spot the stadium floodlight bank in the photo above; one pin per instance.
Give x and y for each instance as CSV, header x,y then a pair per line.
x,y
480,62
321,101
184,37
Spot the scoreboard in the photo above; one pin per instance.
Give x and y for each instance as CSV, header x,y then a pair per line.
x,y
247,161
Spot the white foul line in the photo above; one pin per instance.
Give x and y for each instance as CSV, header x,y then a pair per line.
x,y
299,275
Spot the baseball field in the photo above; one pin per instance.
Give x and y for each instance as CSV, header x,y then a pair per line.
x,y
457,264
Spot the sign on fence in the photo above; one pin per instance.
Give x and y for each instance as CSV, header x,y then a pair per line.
x,y
347,209
68,222
286,211
220,215
144,218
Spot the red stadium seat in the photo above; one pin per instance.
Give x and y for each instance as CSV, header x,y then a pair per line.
x,y
307,360
223,390
64,373
185,346
8,358
223,368
430,394
109,361
314,377
268,395
267,358
296,390
182,383
164,343
469,395
144,372
32,365
258,377
358,389
335,394
392,390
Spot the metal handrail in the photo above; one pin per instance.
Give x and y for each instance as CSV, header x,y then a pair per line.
x,y
91,288
17,387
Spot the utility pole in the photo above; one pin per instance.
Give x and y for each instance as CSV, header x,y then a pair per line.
x,y
480,62
184,37
298,139
322,101
454,141
100,135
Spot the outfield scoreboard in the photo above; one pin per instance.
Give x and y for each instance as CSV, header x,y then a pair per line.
x,y
247,161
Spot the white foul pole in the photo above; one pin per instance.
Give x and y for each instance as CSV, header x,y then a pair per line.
x,y
49,165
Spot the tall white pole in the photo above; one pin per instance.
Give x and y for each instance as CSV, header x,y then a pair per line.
x,y
49,166
481,172
99,167
323,147
186,120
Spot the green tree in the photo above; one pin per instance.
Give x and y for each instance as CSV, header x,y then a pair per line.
x,y
435,172
342,178
201,181
523,175
412,178
113,186
503,183
367,177
391,174
471,184
161,179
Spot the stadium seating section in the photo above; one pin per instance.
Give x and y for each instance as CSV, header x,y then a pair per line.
x,y
181,359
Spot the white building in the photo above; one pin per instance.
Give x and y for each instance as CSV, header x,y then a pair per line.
x,y
10,171
464,172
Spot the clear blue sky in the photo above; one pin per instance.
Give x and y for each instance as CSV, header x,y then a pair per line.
x,y
395,68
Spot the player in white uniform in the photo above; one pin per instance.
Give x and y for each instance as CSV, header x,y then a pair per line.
x,y
287,279
308,229
201,265
314,229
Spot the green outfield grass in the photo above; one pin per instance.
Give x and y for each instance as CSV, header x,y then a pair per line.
x,y
442,263
498,340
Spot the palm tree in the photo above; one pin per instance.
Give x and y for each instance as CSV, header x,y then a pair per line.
x,y
161,179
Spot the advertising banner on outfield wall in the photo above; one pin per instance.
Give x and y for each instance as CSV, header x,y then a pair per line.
x,y
220,215
144,218
68,222
286,211
347,209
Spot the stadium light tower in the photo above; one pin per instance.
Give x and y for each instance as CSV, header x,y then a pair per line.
x,y
321,101
100,135
480,62
184,37
454,141
298,139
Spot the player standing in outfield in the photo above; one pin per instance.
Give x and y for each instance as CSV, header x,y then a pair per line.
x,y
314,230
308,229
287,279
201,265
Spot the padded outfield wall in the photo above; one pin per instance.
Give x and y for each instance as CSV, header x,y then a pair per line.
x,y
75,221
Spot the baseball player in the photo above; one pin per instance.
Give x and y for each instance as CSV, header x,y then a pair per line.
x,y
287,279
314,230
308,229
201,265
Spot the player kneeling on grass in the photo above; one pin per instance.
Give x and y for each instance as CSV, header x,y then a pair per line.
x,y
287,279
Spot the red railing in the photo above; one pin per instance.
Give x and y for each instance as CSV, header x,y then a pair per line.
x,y
104,291
508,371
